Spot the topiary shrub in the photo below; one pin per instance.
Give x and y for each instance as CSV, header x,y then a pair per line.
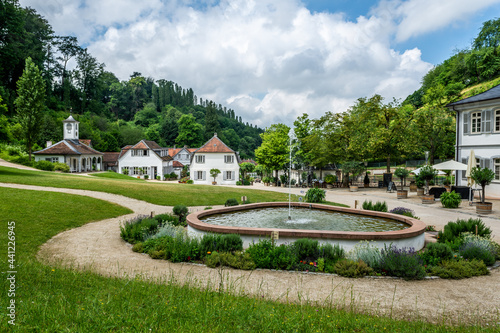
x,y
450,199
315,195
231,202
352,269
453,230
181,211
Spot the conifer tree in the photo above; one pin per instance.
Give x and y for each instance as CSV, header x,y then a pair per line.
x,y
211,121
30,103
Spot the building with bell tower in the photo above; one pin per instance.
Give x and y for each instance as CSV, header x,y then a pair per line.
x,y
70,128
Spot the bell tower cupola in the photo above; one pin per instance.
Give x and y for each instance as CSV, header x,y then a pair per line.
x,y
70,128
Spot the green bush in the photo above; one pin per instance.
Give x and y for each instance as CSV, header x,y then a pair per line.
x,y
246,182
378,206
238,260
44,165
181,211
138,229
138,247
453,230
459,269
476,247
221,243
167,219
146,176
450,199
315,195
190,181
403,263
238,183
306,248
261,253
352,269
61,167
231,202
435,253
331,253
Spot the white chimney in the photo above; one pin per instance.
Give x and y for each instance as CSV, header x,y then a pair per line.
x,y
49,143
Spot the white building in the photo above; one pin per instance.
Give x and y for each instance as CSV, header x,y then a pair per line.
x,y
181,157
215,155
76,153
478,129
145,158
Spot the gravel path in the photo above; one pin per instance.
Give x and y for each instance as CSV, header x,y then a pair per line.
x,y
98,247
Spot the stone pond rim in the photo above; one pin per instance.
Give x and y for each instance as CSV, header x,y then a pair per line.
x,y
413,236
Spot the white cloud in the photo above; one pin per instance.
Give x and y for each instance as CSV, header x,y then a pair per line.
x,y
269,60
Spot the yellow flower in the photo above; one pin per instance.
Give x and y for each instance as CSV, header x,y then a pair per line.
x,y
209,252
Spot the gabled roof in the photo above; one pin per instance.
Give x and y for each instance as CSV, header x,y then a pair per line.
x,y
146,144
124,150
493,93
68,147
214,145
110,158
177,164
166,158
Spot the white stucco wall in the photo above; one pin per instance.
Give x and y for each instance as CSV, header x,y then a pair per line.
x,y
150,161
214,161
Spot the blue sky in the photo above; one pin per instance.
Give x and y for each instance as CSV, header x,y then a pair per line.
x,y
272,60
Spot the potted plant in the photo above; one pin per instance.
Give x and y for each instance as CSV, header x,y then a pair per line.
x,y
329,180
214,173
427,173
419,183
402,173
483,176
266,180
447,182
354,168
283,180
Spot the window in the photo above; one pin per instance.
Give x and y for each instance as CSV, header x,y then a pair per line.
x,y
125,170
52,159
497,121
496,163
229,175
199,175
68,127
136,171
140,152
475,122
200,158
228,159
478,162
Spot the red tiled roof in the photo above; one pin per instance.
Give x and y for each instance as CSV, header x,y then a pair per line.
x,y
177,164
124,150
140,145
215,145
87,142
110,157
68,147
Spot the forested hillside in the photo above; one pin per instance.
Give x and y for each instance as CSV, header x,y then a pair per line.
x,y
112,113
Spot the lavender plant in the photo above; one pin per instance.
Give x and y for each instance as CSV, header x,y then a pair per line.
x,y
403,262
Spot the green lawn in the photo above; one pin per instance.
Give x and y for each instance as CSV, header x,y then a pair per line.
x,y
52,299
114,175
166,194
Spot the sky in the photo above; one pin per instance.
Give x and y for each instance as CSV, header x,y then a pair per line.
x,y
273,60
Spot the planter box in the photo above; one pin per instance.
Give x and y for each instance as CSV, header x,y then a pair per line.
x,y
353,188
413,188
330,186
420,191
402,194
428,199
484,208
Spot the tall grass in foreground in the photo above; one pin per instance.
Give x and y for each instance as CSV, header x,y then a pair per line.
x,y
53,299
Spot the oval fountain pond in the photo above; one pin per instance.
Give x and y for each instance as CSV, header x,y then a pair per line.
x,y
328,224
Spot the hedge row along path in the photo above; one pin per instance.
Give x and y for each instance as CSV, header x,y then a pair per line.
x,y
98,247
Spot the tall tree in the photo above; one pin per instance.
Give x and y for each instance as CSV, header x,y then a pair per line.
x,y
273,153
87,76
190,132
211,121
30,103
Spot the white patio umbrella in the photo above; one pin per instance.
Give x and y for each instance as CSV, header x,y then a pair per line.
x,y
417,171
450,165
470,164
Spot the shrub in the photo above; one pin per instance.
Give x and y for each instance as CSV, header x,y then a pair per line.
x,y
168,230
453,230
450,199
306,248
181,211
368,253
238,182
44,165
403,263
167,219
459,269
315,195
246,182
379,206
476,247
190,181
352,269
146,176
261,253
221,243
61,167
283,258
331,253
138,247
138,229
237,260
435,253
231,202
403,211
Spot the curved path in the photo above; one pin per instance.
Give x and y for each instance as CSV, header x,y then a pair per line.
x,y
98,247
